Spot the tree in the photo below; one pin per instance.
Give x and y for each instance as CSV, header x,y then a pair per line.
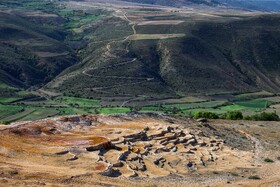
x,y
208,115
264,116
5,122
233,115
135,108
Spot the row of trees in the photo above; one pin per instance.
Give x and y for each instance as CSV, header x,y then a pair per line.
x,y
237,115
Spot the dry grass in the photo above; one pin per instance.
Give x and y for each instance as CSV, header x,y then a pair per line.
x,y
161,22
155,36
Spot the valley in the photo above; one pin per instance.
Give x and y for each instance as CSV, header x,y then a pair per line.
x,y
123,93
124,57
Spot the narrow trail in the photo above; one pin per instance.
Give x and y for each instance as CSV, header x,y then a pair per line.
x,y
258,148
132,99
109,54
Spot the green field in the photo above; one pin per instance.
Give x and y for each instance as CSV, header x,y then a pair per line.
x,y
209,104
8,110
254,95
115,110
80,102
8,99
11,110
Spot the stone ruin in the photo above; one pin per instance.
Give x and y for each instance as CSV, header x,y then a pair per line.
x,y
151,151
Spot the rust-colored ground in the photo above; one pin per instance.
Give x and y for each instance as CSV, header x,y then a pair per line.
x,y
139,150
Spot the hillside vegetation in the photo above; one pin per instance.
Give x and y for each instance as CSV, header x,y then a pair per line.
x,y
32,47
196,58
80,57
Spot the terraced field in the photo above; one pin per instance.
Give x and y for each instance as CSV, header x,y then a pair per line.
x,y
38,107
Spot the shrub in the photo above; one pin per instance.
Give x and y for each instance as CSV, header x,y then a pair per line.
x,y
247,118
264,116
174,110
5,122
255,177
233,115
209,115
268,160
135,108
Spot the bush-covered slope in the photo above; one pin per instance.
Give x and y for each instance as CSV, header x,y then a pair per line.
x,y
220,57
32,49
213,57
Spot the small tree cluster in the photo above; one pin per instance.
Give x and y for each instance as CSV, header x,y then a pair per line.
x,y
264,116
5,122
208,115
233,115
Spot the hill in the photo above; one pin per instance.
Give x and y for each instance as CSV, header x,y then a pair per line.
x,y
175,2
170,55
32,47
260,5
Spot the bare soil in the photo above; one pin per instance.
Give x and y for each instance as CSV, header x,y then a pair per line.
x,y
139,150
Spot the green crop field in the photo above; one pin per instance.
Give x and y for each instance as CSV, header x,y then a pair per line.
x,y
40,114
18,116
209,104
193,111
114,110
8,99
34,110
8,110
80,102
253,95
258,104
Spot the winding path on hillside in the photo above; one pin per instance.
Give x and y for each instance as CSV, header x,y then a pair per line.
x,y
108,54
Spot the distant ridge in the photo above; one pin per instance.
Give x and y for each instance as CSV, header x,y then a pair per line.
x,y
260,5
175,2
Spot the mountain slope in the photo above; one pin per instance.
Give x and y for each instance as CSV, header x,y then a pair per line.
x,y
32,53
260,5
174,2
240,55
235,56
